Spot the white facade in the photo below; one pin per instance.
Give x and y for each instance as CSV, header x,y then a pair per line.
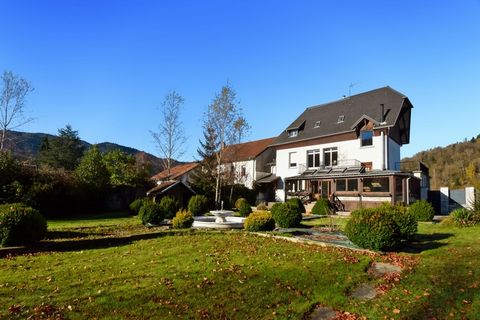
x,y
349,153
245,172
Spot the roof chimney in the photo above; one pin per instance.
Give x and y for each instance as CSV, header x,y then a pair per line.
x,y
382,118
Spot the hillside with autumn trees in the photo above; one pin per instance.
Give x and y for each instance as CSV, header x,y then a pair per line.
x,y
456,165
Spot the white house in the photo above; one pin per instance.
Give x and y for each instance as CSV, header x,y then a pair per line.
x,y
249,162
349,149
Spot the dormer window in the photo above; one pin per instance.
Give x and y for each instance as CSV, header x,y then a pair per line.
x,y
341,119
317,124
292,133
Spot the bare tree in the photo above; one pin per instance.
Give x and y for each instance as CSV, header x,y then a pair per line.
x,y
12,104
221,116
170,138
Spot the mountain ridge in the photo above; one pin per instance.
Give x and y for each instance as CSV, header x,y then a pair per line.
x,y
27,146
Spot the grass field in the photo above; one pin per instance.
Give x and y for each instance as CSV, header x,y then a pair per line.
x,y
113,268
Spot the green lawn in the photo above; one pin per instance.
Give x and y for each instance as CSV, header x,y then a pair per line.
x,y
170,275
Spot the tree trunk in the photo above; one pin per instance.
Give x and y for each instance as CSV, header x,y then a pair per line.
x,y
2,139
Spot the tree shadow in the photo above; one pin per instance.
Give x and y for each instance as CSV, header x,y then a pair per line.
x,y
82,244
424,242
53,235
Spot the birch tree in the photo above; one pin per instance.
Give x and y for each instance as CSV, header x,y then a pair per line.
x,y
221,117
12,104
170,138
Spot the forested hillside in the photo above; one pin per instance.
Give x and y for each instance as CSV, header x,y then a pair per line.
x,y
456,165
26,146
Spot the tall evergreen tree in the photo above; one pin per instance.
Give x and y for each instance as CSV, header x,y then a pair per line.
x,y
64,151
204,179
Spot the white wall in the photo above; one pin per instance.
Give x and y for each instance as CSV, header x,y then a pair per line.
x,y
393,155
249,177
347,150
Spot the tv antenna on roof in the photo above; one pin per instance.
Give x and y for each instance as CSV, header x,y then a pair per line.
x,y
350,86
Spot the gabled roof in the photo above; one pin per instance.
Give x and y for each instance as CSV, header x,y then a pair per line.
x,y
168,185
341,116
246,151
175,172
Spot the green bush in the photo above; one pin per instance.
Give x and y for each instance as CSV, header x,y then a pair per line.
x,y
245,209
262,207
151,213
20,225
465,218
373,229
170,206
198,205
297,203
286,215
182,220
321,207
406,222
422,210
136,205
239,202
259,221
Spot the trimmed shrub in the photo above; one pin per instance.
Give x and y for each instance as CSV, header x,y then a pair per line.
x,y
259,221
136,205
198,205
321,207
21,225
170,206
245,209
262,207
297,203
239,202
406,222
373,229
286,215
182,220
465,218
422,210
151,213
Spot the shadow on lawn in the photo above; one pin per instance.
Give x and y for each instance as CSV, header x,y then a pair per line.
x,y
424,242
82,244
52,235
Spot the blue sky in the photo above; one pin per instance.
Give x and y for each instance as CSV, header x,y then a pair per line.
x,y
105,66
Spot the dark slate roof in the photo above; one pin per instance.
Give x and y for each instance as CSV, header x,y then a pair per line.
x,y
268,179
353,108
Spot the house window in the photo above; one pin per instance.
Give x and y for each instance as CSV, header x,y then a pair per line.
x,y
292,133
243,171
347,185
330,156
341,119
376,185
317,124
366,138
313,158
292,159
352,185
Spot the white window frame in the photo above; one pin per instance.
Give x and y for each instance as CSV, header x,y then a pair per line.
x,y
294,156
313,152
